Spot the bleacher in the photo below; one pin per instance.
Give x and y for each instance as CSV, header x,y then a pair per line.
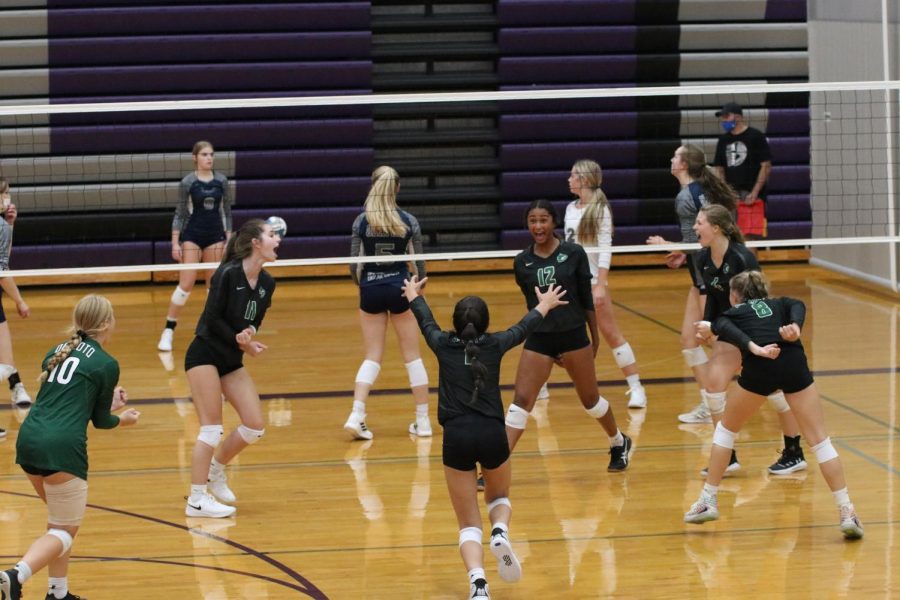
x,y
99,189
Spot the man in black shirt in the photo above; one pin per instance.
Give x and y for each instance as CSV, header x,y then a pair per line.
x,y
743,159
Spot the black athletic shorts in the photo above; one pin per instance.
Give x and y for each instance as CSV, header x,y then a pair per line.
x,y
201,353
475,438
204,239
554,344
788,373
35,471
380,298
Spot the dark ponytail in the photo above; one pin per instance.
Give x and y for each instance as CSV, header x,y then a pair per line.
x,y
470,320
479,371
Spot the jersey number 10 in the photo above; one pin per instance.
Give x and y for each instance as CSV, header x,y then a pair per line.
x,y
62,373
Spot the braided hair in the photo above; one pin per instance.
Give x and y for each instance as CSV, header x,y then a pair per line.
x,y
470,320
92,316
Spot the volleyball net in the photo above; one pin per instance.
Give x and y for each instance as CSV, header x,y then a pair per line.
x,y
95,185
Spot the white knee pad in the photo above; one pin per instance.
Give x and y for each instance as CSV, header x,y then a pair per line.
x,y
469,534
211,435
179,296
66,502
694,357
724,438
624,355
417,373
499,502
824,451
779,402
251,436
715,402
516,417
368,372
63,536
599,409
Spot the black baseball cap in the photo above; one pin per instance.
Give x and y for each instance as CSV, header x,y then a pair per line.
x,y
730,108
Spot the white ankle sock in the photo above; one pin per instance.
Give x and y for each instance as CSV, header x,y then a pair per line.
x,y
422,410
841,497
476,573
24,571
710,490
616,440
634,381
58,587
359,407
197,491
215,466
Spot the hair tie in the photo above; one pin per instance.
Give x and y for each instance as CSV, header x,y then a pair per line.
x,y
80,333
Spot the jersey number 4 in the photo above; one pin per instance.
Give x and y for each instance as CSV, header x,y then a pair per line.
x,y
62,373
546,276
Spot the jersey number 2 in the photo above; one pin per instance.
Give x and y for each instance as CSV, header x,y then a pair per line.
x,y
62,373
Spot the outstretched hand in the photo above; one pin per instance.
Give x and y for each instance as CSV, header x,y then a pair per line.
x,y
413,286
550,299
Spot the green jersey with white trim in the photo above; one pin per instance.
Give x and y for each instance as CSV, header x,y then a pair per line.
x,y
79,389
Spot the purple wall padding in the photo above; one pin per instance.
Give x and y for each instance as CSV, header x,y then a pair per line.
x,y
306,221
319,191
62,256
206,78
565,12
536,128
537,70
106,139
567,40
218,18
232,47
786,10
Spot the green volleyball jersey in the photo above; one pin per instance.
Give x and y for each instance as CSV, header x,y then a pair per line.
x,y
79,389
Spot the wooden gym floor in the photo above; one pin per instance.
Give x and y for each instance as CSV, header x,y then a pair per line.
x,y
322,517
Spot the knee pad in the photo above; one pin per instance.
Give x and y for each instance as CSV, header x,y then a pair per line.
x,y
179,296
599,409
516,417
499,502
779,402
824,451
724,438
66,502
715,402
368,372
417,373
251,436
469,534
624,355
63,536
211,435
694,357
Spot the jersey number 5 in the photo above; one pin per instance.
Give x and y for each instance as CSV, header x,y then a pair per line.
x,y
62,373
546,276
